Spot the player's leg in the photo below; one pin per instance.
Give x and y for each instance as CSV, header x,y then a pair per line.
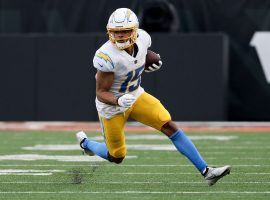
x,y
148,110
187,148
113,149
91,147
113,131
184,145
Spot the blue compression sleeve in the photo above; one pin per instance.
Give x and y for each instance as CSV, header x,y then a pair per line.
x,y
98,148
185,146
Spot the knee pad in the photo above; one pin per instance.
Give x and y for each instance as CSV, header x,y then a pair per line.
x,y
114,159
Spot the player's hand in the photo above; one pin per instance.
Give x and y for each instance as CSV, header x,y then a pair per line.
x,y
154,67
126,100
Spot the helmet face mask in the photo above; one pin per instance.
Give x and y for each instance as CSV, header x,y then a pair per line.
x,y
122,28
123,38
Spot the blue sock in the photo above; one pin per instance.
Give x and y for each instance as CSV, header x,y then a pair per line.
x,y
185,146
98,148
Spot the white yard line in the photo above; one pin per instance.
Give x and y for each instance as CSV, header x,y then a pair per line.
x,y
161,165
33,171
135,182
135,192
216,158
75,158
237,147
29,172
140,147
163,173
249,158
134,173
163,137
231,153
122,165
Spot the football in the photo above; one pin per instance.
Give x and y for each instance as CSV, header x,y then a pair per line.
x,y
151,57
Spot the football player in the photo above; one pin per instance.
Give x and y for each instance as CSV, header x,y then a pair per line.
x,y
119,96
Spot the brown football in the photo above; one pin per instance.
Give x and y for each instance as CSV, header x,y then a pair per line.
x,y
151,57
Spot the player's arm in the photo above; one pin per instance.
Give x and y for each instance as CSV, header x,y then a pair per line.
x,y
104,81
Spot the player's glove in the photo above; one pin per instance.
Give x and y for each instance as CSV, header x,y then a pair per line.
x,y
154,66
126,100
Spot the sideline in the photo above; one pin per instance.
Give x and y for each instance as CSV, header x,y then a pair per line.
x,y
197,127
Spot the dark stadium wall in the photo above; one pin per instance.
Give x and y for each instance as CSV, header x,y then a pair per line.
x,y
18,81
48,78
249,90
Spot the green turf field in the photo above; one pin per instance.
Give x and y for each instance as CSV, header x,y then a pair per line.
x,y
147,174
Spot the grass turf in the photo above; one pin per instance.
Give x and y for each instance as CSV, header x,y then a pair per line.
x,y
152,175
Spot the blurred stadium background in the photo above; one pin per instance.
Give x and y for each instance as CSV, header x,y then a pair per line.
x,y
215,80
215,53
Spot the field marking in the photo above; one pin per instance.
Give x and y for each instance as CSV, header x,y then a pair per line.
x,y
122,165
236,147
135,192
163,137
249,158
33,157
31,172
161,165
231,153
163,173
26,174
135,182
136,173
71,147
141,147
215,158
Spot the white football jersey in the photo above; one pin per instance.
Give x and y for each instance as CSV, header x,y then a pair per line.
x,y
127,71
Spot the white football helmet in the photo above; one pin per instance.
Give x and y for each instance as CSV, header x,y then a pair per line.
x,y
123,19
